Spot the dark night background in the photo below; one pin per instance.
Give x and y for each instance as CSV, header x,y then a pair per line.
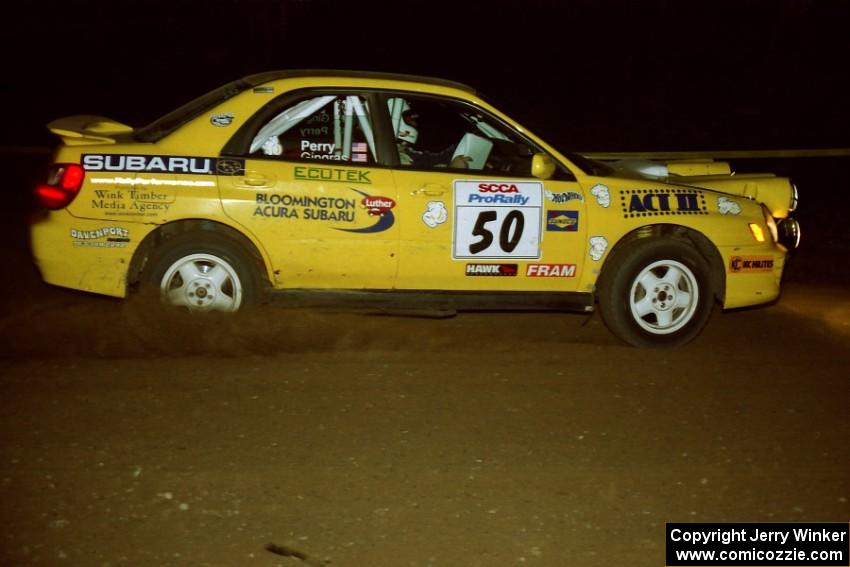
x,y
481,440
585,75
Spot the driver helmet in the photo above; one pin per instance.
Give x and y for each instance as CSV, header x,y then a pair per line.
x,y
404,120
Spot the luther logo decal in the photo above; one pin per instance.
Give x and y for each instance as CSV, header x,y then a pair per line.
x,y
380,207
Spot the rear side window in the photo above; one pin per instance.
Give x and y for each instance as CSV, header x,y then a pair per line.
x,y
319,128
164,126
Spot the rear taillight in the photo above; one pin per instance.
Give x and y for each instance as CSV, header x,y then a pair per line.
x,y
63,184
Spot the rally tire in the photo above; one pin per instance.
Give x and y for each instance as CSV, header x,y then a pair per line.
x,y
656,292
203,272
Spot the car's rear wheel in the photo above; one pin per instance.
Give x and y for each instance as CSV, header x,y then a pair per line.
x,y
656,293
204,272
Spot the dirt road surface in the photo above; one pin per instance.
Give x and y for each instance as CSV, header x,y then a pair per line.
x,y
354,440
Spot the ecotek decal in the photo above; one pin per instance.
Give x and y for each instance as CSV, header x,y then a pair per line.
x,y
106,237
550,270
157,164
509,270
659,202
750,264
331,174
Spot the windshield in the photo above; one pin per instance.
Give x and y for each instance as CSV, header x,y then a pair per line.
x,y
164,126
591,166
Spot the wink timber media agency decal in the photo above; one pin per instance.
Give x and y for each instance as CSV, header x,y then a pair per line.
x,y
658,202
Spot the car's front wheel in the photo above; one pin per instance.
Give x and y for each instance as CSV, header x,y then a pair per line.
x,y
203,273
656,292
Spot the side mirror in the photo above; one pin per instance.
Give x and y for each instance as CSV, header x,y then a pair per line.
x,y
542,166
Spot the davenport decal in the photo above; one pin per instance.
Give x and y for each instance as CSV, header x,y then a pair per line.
x,y
106,237
659,202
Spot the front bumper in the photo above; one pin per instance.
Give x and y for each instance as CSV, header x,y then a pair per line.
x,y
753,274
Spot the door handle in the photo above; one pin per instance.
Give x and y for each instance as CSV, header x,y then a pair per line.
x,y
431,189
256,180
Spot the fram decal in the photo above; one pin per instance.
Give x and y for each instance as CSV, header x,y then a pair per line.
x,y
750,264
498,270
562,221
385,221
550,270
658,202
331,174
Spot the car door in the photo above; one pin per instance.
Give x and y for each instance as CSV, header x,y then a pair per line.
x,y
311,193
471,215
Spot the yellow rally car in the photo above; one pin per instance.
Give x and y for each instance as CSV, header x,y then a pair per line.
x,y
348,184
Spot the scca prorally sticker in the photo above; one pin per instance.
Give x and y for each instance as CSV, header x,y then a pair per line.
x,y
106,237
153,164
727,206
657,202
563,196
331,174
550,270
497,219
435,214
562,221
495,270
750,264
603,196
598,246
222,119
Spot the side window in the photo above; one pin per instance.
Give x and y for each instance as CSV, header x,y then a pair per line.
x,y
433,133
320,128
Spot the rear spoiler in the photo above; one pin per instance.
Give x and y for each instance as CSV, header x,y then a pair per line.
x,y
83,130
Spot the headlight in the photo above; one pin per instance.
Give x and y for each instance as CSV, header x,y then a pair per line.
x,y
789,233
792,206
